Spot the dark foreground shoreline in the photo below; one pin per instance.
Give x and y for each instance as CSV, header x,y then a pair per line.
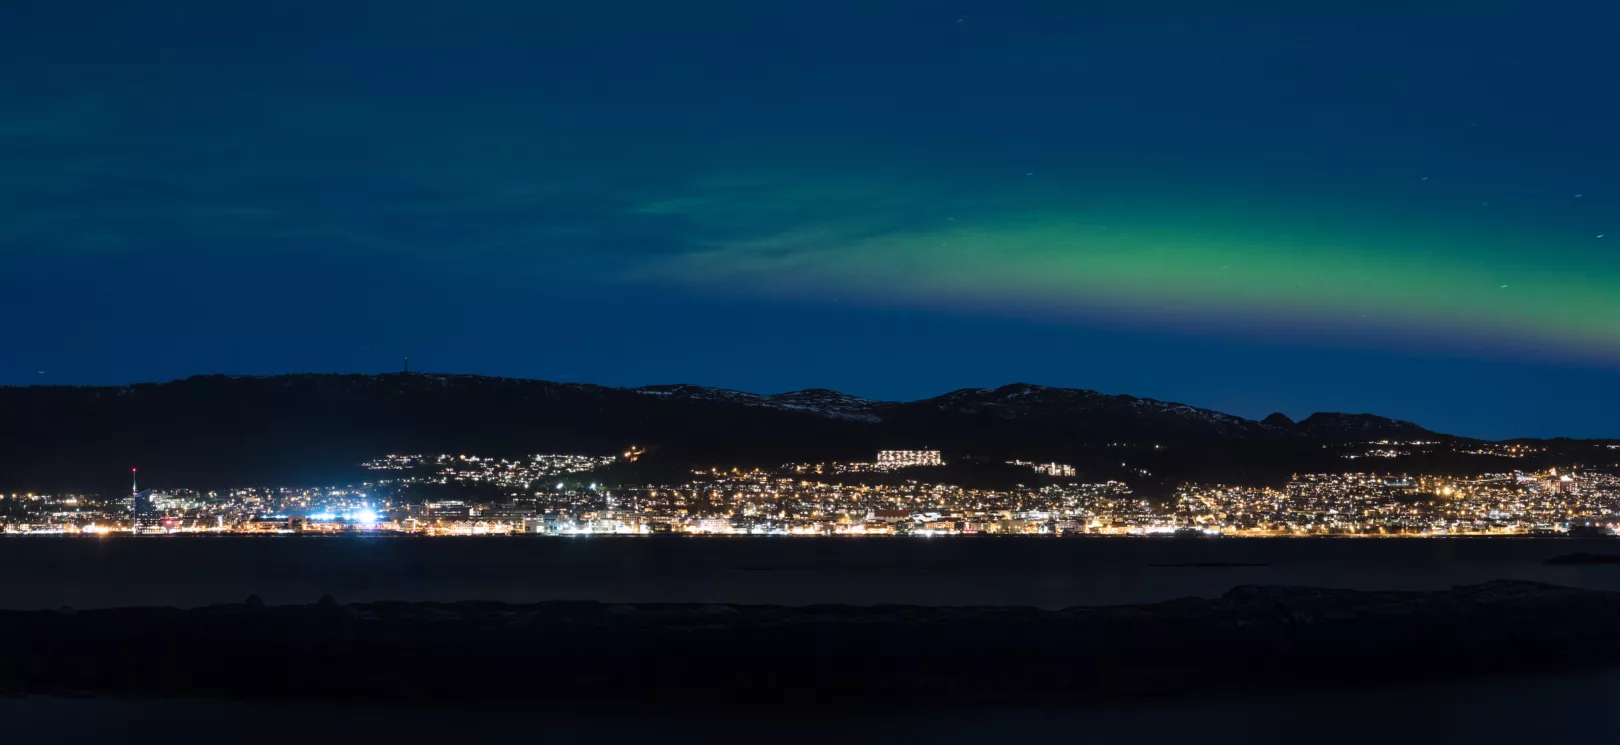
x,y
571,654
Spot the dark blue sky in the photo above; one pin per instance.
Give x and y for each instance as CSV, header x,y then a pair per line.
x,y
1354,206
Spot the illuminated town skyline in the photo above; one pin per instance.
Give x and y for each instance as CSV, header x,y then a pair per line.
x,y
460,495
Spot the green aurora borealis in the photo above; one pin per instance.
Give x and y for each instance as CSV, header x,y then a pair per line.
x,y
1404,208
1156,264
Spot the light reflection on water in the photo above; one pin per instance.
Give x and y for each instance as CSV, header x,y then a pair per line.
x,y
1048,572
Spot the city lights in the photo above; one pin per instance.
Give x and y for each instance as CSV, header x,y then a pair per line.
x,y
461,495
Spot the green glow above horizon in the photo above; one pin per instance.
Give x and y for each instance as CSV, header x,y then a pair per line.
x,y
1237,268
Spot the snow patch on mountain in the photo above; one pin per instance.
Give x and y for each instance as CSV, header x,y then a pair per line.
x,y
817,401
1027,400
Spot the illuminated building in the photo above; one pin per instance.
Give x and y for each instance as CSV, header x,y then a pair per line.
x,y
908,458
144,517
1046,469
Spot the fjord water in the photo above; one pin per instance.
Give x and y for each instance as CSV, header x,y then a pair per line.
x,y
51,572
86,573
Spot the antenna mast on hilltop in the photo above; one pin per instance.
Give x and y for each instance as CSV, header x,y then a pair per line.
x,y
407,366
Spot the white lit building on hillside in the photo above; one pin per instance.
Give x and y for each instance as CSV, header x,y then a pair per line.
x,y
908,458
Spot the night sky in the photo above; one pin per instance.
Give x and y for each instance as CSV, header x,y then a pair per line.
x,y
1408,208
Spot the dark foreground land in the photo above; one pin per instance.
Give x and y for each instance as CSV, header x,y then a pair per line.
x,y
567,654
